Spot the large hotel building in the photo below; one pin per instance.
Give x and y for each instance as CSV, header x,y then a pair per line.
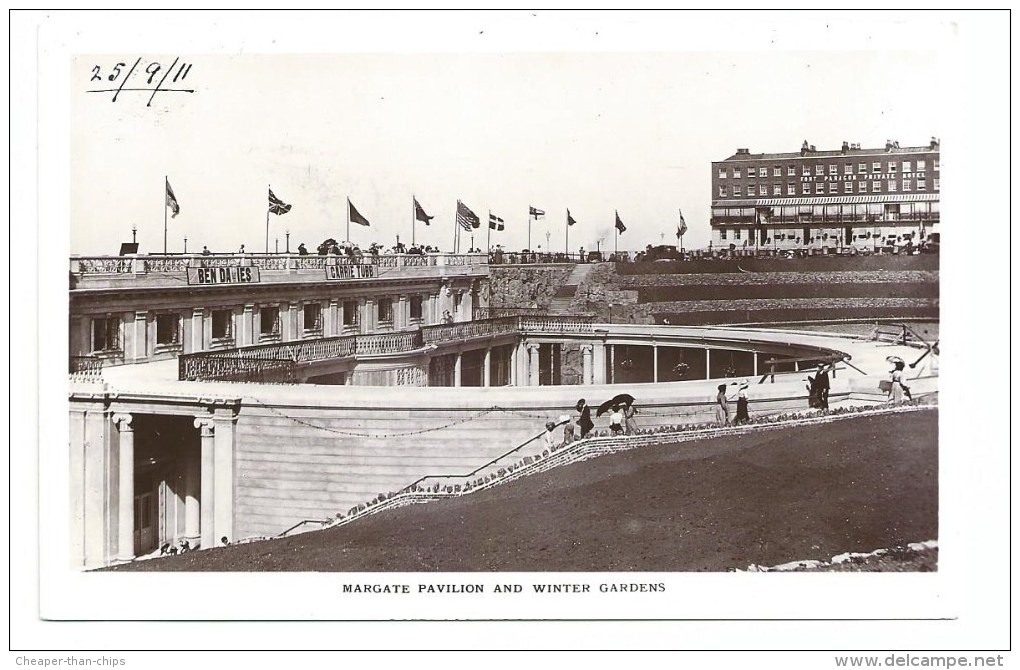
x,y
870,199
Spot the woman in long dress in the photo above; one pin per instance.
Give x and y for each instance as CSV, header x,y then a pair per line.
x,y
742,416
628,415
722,407
897,388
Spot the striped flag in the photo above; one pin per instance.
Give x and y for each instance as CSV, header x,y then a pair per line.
x,y
277,206
570,219
466,218
619,223
536,212
495,223
682,226
171,201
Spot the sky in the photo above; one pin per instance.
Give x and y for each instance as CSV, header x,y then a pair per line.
x,y
597,129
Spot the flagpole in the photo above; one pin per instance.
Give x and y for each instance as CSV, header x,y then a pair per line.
x,y
566,242
616,234
456,228
413,217
267,222
488,234
166,189
529,228
348,219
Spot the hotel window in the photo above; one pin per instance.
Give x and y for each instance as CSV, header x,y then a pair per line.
x,y
833,187
892,166
750,189
791,171
819,188
806,171
313,317
848,168
722,173
385,309
891,188
921,166
722,233
106,334
936,165
763,189
722,191
936,184
168,329
906,166
777,171
906,185
806,188
350,308
862,168
222,324
763,172
819,169
862,186
269,321
848,186
777,189
791,189
736,173
876,186
833,169
416,307
736,233
876,166
921,184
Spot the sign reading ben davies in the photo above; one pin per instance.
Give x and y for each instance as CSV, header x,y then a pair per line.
x,y
230,275
350,271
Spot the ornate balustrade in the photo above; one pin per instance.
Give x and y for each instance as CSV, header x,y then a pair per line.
x,y
388,343
234,368
446,332
557,324
85,368
179,263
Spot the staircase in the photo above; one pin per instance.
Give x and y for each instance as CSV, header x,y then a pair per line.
x,y
560,304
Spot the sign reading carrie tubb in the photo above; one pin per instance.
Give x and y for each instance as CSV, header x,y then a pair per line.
x,y
336,272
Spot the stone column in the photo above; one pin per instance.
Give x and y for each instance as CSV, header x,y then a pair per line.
x,y
248,326
533,367
297,320
612,363
331,327
139,332
754,358
598,363
368,315
708,363
126,488
456,369
400,317
586,363
207,484
223,438
514,363
286,322
655,363
192,481
486,374
197,329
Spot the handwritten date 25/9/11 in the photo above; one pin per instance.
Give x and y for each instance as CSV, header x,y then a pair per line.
x,y
151,78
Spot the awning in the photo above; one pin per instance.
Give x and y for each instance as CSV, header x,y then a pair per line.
x,y
847,199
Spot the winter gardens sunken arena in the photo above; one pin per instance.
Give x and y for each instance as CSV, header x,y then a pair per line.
x,y
236,397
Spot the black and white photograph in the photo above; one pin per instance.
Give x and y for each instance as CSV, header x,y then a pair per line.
x,y
523,316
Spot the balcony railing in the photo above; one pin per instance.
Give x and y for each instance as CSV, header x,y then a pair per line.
x,y
822,221
86,368
179,263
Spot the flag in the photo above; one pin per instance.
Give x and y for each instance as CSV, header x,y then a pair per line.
x,y
619,224
420,214
535,212
466,218
570,219
682,226
355,215
495,222
277,206
171,201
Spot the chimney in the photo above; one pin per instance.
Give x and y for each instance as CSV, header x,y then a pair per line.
x,y
846,147
888,145
804,148
743,152
812,148
934,143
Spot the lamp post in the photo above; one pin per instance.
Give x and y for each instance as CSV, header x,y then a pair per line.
x,y
185,245
287,233
134,234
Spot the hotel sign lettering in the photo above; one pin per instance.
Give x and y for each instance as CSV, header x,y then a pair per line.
x,y
224,275
341,272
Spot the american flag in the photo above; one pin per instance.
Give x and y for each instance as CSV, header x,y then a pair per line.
x,y
466,218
